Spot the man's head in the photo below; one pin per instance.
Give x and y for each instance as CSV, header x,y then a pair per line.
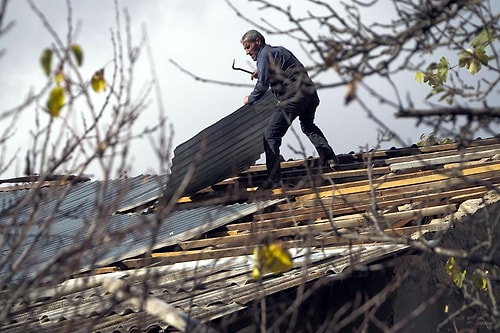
x,y
252,42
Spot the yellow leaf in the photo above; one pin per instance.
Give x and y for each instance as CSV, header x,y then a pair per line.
x,y
77,51
480,281
56,101
419,77
46,60
59,77
272,258
474,67
454,271
458,278
450,265
97,82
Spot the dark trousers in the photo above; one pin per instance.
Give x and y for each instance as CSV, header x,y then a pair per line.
x,y
282,117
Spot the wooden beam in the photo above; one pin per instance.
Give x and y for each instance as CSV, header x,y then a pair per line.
x,y
193,255
441,153
379,185
427,162
324,225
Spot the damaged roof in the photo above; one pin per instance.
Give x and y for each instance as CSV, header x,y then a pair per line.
x,y
197,255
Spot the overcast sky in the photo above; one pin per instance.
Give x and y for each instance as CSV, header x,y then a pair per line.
x,y
203,36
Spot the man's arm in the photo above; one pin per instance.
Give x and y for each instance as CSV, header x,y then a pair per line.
x,y
262,84
254,76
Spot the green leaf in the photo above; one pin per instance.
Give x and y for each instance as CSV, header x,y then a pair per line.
x,y
419,77
465,58
447,141
443,69
434,91
59,77
55,101
78,53
432,67
458,278
480,281
482,57
46,60
450,265
433,80
472,60
454,271
474,67
483,39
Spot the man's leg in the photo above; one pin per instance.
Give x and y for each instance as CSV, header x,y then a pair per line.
x,y
276,128
315,135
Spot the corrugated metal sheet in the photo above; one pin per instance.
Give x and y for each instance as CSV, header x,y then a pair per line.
x,y
112,238
64,216
83,198
206,290
226,147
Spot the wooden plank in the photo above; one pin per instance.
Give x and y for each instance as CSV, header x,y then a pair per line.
x,y
391,218
356,173
427,162
166,258
105,270
323,225
387,199
379,185
286,219
364,237
410,154
193,255
355,201
322,240
438,154
364,185
360,201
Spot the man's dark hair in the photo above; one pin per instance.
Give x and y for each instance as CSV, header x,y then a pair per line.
x,y
252,36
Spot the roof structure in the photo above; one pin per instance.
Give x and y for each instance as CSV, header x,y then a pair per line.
x,y
198,256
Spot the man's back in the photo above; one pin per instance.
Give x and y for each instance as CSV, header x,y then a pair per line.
x,y
286,74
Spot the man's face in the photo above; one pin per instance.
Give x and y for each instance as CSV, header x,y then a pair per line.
x,y
252,48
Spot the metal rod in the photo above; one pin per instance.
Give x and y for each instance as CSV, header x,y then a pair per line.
x,y
241,69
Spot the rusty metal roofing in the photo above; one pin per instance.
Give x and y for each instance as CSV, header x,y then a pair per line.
x,y
221,150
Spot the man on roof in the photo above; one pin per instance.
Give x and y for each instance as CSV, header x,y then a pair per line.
x,y
280,70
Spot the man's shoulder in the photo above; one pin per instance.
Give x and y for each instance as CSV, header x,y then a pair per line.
x,y
278,48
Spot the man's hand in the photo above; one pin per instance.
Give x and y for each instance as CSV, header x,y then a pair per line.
x,y
254,75
245,100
